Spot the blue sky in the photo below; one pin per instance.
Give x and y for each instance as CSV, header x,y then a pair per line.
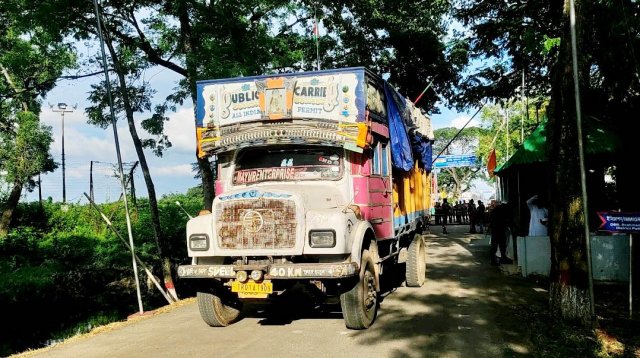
x,y
85,143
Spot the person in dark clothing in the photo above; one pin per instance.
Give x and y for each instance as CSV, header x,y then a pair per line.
x,y
480,212
446,210
472,212
500,222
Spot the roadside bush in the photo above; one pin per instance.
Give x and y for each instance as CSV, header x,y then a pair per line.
x,y
64,270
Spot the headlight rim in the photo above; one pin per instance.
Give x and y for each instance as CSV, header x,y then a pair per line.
x,y
316,246
200,235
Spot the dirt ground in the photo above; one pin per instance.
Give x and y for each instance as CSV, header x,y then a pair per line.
x,y
614,335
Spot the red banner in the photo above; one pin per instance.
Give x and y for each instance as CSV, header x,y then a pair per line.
x,y
491,163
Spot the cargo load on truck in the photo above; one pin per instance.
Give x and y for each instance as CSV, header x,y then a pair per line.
x,y
344,107
323,179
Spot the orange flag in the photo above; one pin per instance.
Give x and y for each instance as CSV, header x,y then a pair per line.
x,y
491,163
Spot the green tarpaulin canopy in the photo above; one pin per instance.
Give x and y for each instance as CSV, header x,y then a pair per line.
x,y
599,140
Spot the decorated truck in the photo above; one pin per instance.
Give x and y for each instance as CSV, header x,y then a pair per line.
x,y
323,182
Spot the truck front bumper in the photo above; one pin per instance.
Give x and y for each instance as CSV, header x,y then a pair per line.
x,y
274,271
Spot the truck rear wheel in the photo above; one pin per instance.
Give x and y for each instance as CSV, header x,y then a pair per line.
x,y
215,312
360,304
416,268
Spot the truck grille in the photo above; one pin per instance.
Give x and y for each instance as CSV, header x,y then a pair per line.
x,y
256,224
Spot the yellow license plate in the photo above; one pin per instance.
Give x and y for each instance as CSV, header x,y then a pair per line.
x,y
252,289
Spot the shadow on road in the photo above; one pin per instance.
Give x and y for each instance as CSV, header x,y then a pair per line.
x,y
466,308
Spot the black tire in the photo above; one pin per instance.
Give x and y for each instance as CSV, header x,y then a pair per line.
x,y
215,312
360,303
416,268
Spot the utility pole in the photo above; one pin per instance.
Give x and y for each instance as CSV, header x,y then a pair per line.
x,y
40,191
91,197
119,155
132,182
526,111
506,132
62,108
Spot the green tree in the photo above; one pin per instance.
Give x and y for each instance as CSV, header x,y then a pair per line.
x,y
569,291
520,124
31,60
23,154
131,99
204,40
457,180
533,38
506,40
406,39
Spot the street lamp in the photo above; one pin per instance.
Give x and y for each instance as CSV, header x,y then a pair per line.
x,y
62,108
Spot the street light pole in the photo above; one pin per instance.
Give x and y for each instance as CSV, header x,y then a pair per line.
x,y
62,108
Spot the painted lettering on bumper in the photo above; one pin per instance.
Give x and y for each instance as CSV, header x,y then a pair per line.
x,y
276,271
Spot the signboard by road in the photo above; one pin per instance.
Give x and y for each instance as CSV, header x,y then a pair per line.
x,y
457,160
620,221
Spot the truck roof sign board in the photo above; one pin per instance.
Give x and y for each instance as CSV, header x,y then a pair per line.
x,y
457,160
620,221
333,95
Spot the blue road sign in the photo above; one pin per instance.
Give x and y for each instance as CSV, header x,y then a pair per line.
x,y
615,221
458,160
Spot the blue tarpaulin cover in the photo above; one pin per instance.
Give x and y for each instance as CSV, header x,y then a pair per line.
x,y
423,148
401,155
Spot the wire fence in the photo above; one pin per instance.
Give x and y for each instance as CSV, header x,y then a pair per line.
x,y
100,180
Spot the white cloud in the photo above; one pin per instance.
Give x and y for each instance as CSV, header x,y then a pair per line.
x,y
181,130
174,170
460,121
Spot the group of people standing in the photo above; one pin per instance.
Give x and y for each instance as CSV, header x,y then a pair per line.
x,y
461,212
497,218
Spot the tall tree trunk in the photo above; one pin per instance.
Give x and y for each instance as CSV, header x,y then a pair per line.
x,y
9,207
190,49
161,244
569,294
208,182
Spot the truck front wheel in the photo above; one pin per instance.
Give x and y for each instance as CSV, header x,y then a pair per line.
x,y
215,312
360,304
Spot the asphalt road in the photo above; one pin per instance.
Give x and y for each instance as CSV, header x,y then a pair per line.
x,y
465,309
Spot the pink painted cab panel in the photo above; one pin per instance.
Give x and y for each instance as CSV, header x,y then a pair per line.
x,y
374,197
219,187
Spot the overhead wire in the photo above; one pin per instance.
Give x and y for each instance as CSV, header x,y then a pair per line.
x,y
460,131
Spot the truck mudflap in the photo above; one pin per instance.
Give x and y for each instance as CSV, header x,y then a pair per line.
x,y
274,271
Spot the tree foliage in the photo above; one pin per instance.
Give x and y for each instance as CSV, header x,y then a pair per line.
x,y
67,257
405,39
450,141
504,41
31,60
520,124
25,153
533,38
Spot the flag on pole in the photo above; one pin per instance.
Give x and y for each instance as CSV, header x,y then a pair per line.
x,y
491,163
315,39
315,30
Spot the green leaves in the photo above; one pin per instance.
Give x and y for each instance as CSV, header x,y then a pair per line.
x,y
25,153
455,181
31,60
550,44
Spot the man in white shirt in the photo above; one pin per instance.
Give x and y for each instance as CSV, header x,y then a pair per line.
x,y
539,217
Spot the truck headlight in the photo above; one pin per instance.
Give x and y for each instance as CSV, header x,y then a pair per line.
x,y
199,242
241,276
256,275
322,238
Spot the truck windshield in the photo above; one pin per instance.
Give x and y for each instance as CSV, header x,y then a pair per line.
x,y
280,164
